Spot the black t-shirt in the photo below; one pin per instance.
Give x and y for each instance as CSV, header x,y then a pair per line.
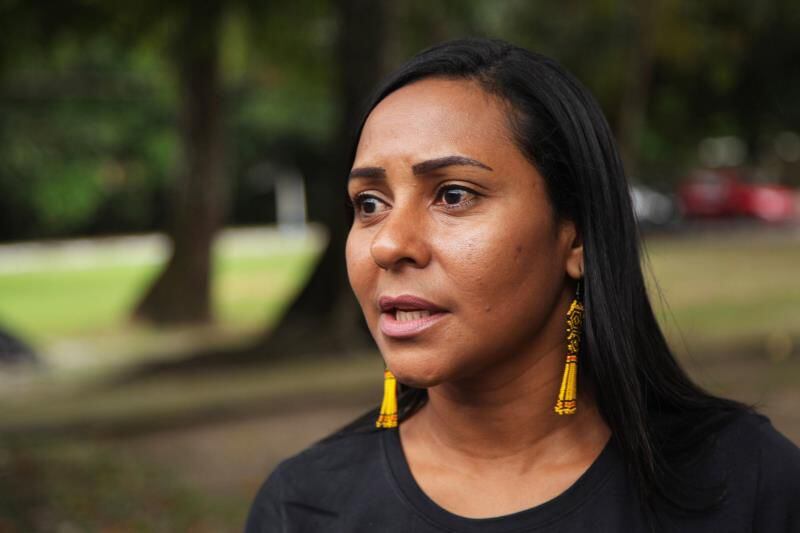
x,y
361,482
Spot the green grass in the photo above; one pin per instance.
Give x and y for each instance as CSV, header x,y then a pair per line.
x,y
723,289
50,304
44,306
72,301
729,288
252,291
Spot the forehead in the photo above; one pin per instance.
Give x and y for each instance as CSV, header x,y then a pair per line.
x,y
435,117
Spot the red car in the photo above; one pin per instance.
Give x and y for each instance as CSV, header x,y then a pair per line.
x,y
724,193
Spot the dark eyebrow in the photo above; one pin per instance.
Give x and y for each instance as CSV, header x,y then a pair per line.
x,y
368,172
424,167
451,160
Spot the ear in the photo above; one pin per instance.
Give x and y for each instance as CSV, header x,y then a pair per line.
x,y
574,258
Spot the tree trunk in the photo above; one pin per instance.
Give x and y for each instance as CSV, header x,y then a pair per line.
x,y
182,291
325,317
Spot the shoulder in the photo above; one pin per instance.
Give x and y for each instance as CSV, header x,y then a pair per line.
x,y
314,478
754,436
340,452
777,457
764,465
345,455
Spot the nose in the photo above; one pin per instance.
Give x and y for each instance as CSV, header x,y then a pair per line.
x,y
401,239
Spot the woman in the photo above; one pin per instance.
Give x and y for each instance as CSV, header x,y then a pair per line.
x,y
489,206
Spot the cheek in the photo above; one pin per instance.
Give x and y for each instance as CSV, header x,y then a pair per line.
x,y
361,269
489,257
505,277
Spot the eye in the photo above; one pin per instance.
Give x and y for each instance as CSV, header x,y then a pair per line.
x,y
367,204
456,196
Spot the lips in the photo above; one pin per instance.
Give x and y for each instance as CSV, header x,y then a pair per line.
x,y
422,313
407,302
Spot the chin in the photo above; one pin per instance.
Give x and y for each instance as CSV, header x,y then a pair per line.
x,y
420,374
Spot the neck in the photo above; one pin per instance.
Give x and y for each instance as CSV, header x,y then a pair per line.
x,y
509,417
504,415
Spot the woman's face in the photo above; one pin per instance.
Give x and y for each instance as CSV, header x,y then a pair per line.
x,y
447,209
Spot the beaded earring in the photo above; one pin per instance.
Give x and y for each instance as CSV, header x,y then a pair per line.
x,y
567,396
388,416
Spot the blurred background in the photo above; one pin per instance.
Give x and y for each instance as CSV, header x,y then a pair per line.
x,y
174,310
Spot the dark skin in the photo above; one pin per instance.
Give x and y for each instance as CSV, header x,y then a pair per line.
x,y
449,209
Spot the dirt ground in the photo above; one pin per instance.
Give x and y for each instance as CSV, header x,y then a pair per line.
x,y
202,477
237,455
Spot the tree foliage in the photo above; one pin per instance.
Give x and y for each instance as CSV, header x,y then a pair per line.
x,y
95,128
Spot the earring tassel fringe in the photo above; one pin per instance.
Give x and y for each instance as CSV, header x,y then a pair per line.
x,y
567,397
388,416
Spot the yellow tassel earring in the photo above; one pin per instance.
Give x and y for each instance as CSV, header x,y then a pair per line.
x,y
388,416
567,396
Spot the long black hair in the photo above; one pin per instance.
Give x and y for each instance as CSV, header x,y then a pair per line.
x,y
659,418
